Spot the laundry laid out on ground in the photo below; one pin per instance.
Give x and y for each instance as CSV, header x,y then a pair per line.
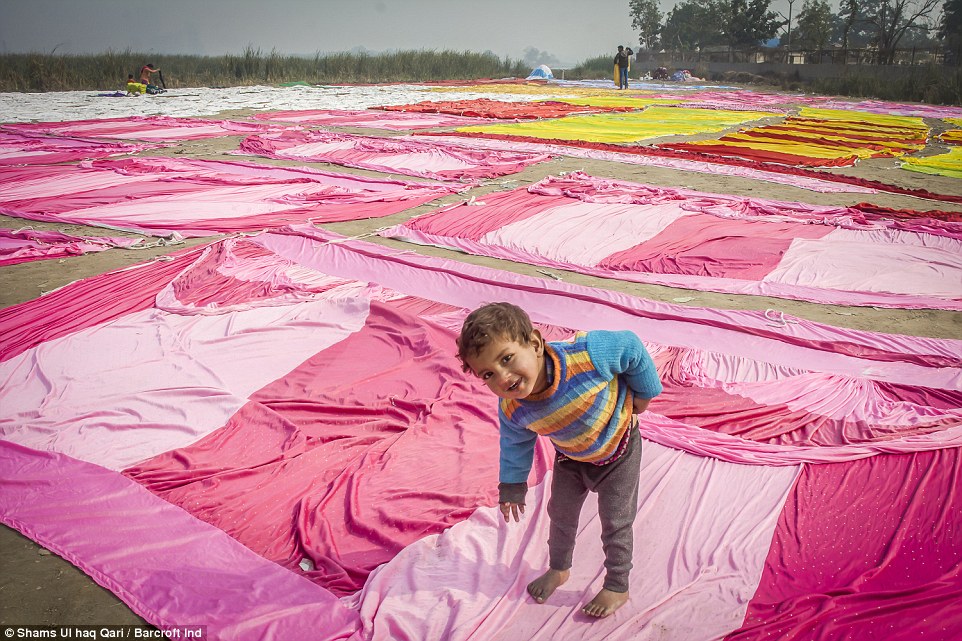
x,y
713,242
149,128
270,436
504,110
161,196
368,118
32,149
26,244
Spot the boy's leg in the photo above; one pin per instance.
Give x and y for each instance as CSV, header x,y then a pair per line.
x,y
568,492
617,507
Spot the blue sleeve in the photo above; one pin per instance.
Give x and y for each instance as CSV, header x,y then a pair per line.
x,y
517,451
623,354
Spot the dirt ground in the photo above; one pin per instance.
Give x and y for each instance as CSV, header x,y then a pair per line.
x,y
40,588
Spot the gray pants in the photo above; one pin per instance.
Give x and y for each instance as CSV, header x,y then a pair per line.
x,y
617,488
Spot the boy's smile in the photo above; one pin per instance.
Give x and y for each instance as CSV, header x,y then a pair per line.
x,y
511,369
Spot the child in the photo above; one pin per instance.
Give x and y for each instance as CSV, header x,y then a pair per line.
x,y
582,395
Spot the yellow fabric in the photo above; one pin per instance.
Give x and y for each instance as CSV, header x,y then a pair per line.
x,y
952,137
811,150
625,127
862,128
618,101
954,121
908,122
136,87
949,164
890,147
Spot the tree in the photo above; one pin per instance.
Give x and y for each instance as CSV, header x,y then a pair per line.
x,y
692,24
950,27
890,20
646,19
747,23
814,27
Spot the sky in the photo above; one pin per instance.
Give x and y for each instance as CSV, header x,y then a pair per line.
x,y
565,32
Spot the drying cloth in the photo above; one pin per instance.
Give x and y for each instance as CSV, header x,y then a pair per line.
x,y
149,128
23,245
628,127
160,196
370,118
32,149
695,240
431,158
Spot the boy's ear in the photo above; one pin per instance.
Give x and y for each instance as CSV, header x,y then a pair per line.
x,y
538,341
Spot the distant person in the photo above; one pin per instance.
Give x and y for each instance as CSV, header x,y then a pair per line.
x,y
145,72
622,61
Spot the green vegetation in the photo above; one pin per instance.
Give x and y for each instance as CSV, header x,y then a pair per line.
x,y
53,72
931,84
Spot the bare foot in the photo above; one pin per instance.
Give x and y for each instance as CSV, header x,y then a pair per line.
x,y
543,587
605,603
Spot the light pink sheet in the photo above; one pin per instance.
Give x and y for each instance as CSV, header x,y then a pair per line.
x,y
212,318
23,245
429,159
148,128
31,149
161,196
695,240
369,118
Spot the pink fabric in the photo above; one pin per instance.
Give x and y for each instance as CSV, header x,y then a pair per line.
x,y
170,568
683,238
469,582
374,119
356,438
150,128
23,245
27,149
681,164
434,159
894,108
873,551
197,197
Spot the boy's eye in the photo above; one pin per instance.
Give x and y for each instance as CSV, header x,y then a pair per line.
x,y
506,358
486,376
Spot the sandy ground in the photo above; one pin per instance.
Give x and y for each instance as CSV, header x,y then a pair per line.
x,y
37,587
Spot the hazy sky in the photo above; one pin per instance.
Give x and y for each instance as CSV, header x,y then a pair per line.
x,y
570,31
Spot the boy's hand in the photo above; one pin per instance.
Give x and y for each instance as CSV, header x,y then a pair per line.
x,y
639,405
511,509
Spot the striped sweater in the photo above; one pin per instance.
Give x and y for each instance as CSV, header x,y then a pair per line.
x,y
586,409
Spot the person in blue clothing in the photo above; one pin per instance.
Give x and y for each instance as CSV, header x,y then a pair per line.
x,y
582,395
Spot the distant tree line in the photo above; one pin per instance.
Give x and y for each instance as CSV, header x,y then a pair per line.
x,y
884,25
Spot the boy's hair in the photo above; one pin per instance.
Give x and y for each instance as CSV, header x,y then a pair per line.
x,y
491,322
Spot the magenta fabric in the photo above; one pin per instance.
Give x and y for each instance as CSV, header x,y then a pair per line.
x,y
373,119
712,242
23,245
373,456
340,442
161,196
863,550
150,128
706,245
170,568
31,149
435,160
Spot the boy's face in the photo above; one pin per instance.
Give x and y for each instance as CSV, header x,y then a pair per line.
x,y
511,369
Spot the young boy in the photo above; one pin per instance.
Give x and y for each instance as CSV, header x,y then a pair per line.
x,y
582,395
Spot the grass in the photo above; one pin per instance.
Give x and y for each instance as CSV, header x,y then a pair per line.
x,y
36,72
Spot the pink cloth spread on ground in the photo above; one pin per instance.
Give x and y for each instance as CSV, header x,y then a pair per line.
x,y
696,240
160,196
23,245
32,149
296,405
369,118
427,159
149,128
504,110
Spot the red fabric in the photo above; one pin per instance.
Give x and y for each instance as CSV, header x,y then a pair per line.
x,y
871,545
735,162
365,448
763,155
511,206
486,108
704,245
